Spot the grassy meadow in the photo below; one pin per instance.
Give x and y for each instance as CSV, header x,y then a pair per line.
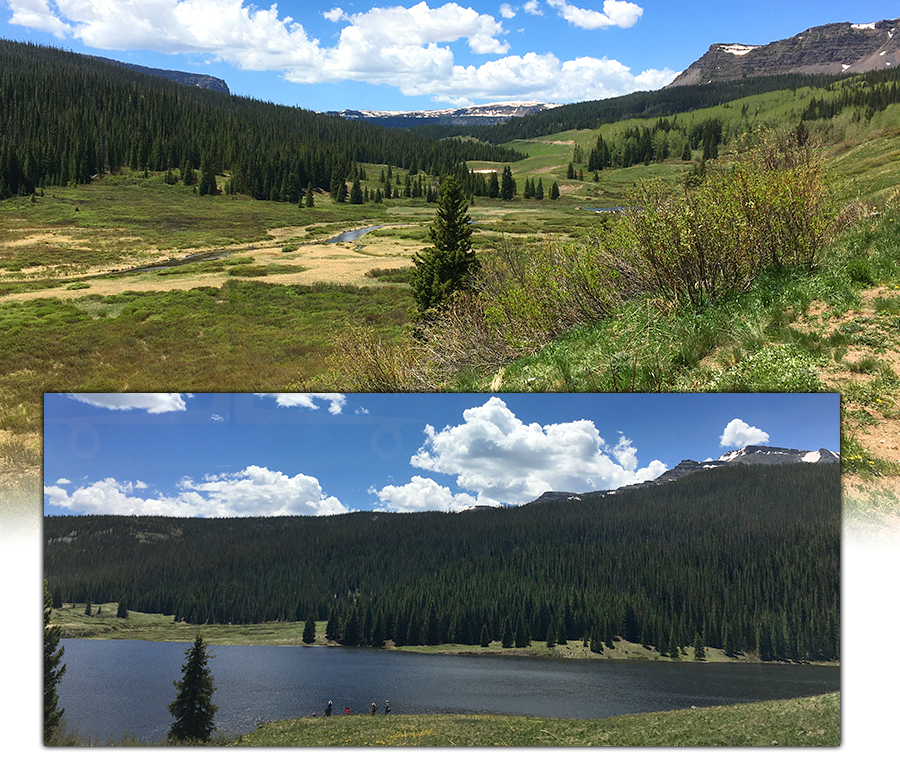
x,y
807,721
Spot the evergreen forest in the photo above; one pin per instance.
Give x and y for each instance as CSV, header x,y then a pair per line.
x,y
67,118
744,558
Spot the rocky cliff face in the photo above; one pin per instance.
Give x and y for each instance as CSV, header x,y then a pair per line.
x,y
829,49
188,79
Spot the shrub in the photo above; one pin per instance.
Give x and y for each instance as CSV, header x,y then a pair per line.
x,y
770,209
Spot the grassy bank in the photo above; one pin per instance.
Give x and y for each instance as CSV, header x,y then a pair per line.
x,y
799,722
103,623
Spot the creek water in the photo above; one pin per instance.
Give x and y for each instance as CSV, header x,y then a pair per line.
x,y
349,236
117,687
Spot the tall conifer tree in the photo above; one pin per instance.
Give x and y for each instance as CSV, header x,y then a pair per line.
x,y
192,707
449,263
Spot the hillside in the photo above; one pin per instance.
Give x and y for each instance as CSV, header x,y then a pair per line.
x,y
831,49
68,119
737,556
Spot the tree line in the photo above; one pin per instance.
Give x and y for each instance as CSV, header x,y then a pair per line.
x,y
743,559
66,118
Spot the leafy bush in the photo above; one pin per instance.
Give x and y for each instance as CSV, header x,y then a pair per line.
x,y
770,209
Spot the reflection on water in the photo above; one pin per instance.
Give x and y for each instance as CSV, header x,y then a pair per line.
x,y
113,687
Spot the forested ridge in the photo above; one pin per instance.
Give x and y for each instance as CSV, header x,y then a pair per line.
x,y
744,559
646,104
65,118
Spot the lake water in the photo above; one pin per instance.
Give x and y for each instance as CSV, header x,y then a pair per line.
x,y
112,687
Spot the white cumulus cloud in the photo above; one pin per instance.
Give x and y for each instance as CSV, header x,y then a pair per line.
x,y
153,403
335,401
616,13
255,491
739,434
502,460
424,494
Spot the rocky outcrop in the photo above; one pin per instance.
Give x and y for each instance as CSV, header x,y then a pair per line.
x,y
188,79
830,49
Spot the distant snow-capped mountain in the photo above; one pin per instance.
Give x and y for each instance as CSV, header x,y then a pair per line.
x,y
495,113
749,455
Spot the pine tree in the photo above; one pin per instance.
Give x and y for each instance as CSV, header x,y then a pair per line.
x,y
552,632
309,630
507,185
356,194
310,202
122,610
506,637
485,636
192,707
493,190
699,650
53,672
554,191
449,263
207,178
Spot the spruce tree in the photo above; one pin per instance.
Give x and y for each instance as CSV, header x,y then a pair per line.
x,y
485,636
356,193
192,707
449,263
309,630
122,610
310,202
506,637
554,191
507,185
699,650
53,672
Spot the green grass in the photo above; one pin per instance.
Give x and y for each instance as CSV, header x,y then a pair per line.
x,y
809,721
246,335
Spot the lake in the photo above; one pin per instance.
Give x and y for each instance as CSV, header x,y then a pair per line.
x,y
112,687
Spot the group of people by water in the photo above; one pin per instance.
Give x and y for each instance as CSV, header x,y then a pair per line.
x,y
330,707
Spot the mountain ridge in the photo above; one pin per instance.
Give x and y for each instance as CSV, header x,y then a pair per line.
x,y
832,49
179,76
752,454
475,115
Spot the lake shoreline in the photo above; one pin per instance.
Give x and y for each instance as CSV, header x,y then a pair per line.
x,y
105,625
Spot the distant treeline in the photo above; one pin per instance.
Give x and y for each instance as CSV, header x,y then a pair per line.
x,y
65,118
744,558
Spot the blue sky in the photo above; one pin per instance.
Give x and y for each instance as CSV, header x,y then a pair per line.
x,y
261,454
404,55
